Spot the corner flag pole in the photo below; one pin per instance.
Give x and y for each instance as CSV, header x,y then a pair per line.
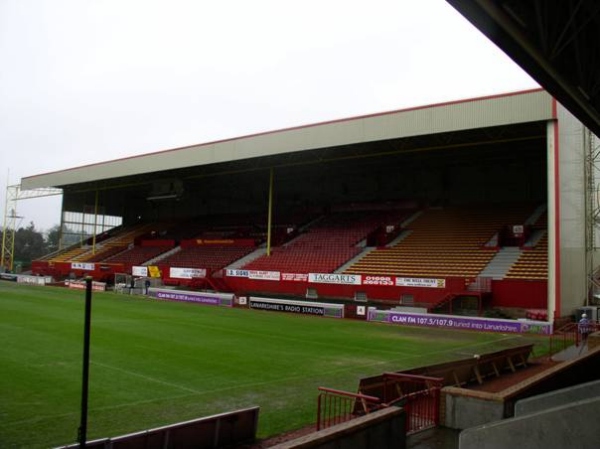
x,y
86,362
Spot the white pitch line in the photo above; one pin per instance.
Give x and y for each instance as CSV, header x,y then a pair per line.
x,y
236,386
149,378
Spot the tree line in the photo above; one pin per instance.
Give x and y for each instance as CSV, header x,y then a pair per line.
x,y
31,244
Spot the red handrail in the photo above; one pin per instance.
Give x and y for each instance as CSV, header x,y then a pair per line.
x,y
337,406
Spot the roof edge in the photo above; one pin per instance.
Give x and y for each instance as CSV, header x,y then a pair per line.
x,y
298,127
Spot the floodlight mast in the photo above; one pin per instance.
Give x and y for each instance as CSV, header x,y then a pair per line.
x,y
9,227
13,194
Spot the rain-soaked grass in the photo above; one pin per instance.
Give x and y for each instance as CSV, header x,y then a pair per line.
x,y
155,363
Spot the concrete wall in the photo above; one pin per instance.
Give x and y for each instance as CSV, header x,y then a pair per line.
x,y
383,429
465,408
570,426
557,398
571,212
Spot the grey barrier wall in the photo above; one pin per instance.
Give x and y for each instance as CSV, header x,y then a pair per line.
x,y
558,398
463,411
469,408
383,429
570,426
216,431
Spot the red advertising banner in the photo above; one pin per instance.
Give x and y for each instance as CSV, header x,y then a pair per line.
x,y
378,280
296,277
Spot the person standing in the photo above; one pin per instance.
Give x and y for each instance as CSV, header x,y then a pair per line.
x,y
584,327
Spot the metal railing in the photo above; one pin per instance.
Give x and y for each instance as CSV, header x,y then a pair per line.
x,y
562,338
569,335
418,395
336,406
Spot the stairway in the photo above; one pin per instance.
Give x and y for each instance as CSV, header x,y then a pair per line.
x,y
536,214
501,263
162,256
353,260
259,252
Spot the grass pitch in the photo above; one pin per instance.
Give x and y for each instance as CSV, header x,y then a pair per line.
x,y
155,363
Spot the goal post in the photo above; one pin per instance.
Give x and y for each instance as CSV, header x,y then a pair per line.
x,y
122,282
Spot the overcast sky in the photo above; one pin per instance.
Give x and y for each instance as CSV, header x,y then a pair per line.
x,y
85,81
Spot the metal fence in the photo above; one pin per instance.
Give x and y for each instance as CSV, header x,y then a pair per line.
x,y
418,395
569,335
336,406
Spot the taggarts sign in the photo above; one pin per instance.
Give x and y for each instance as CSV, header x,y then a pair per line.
x,y
335,278
421,282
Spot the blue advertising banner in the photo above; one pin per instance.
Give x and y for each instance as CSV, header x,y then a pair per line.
x,y
211,299
461,322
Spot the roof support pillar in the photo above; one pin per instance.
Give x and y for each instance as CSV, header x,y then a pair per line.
x,y
270,213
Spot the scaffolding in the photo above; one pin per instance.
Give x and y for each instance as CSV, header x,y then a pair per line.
x,y
592,214
9,227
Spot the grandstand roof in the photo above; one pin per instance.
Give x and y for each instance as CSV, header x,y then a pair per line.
x,y
305,144
557,43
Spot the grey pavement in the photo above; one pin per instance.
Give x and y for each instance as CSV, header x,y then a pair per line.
x,y
438,438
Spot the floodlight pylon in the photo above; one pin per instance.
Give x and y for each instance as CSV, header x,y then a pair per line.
x,y
9,229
